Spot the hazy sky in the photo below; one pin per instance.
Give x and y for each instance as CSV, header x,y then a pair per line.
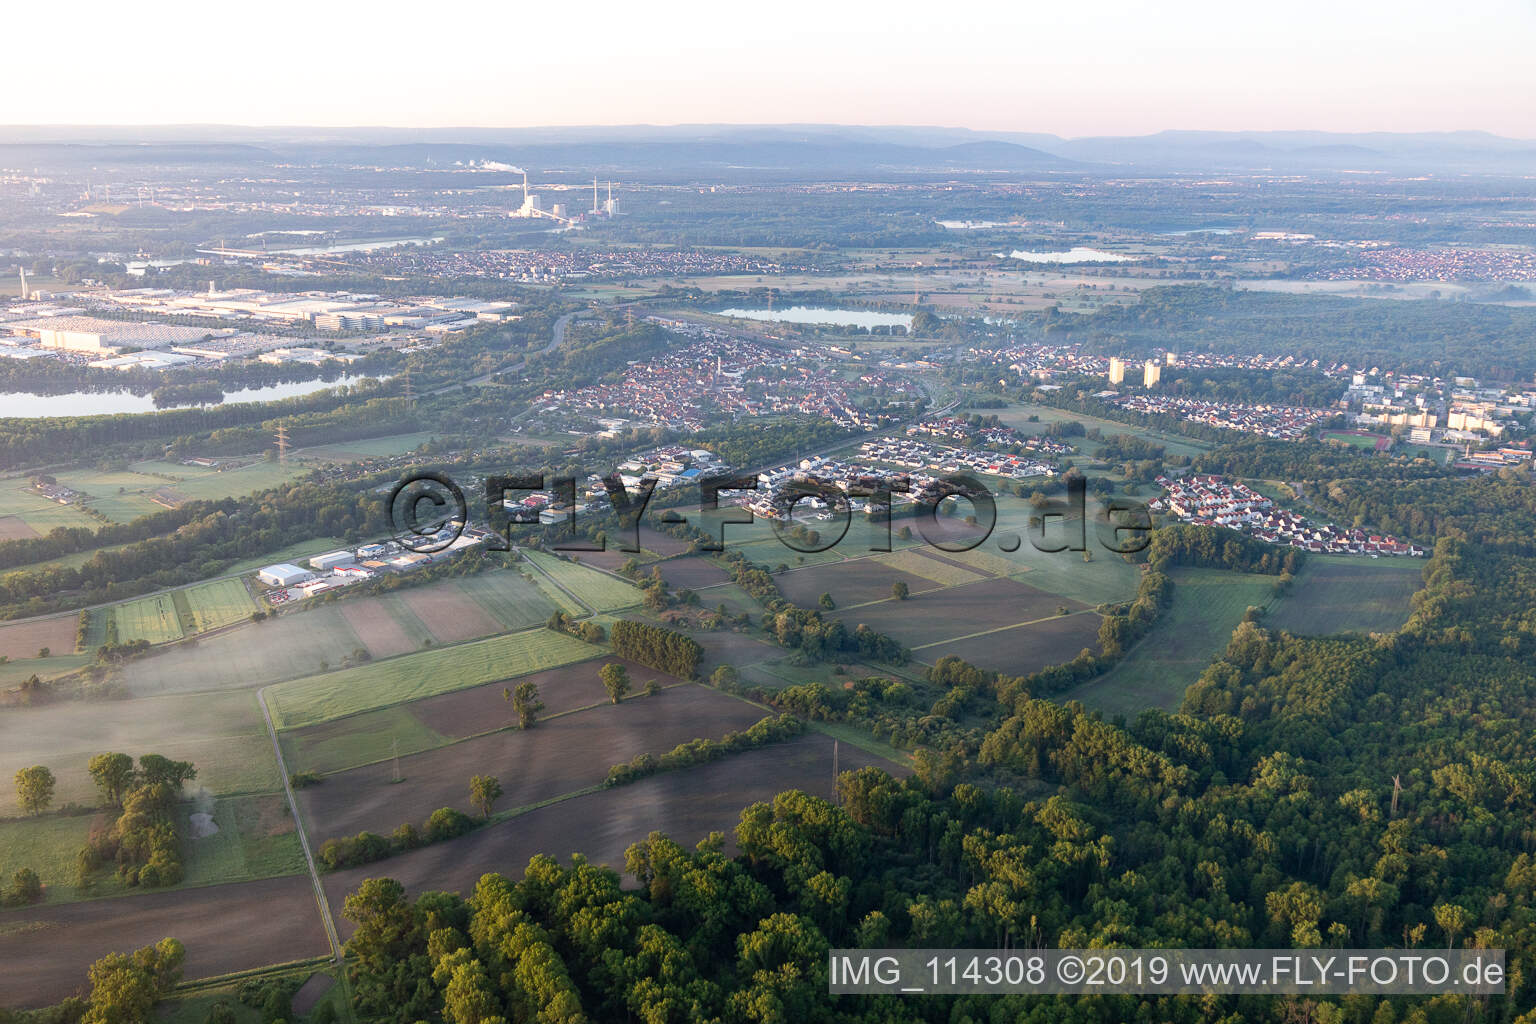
x,y
1072,68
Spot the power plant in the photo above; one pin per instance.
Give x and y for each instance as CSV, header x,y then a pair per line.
x,y
533,205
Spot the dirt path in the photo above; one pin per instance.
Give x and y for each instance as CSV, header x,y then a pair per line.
x,y
309,857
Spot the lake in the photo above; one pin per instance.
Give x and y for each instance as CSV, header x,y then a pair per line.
x,y
1076,254
820,315
105,403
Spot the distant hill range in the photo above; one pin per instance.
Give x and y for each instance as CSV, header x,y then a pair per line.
x,y
727,152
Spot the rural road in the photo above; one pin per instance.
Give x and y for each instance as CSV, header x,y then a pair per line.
x,y
298,823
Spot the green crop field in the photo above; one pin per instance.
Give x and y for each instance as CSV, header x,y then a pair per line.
x,y
380,684
358,739
148,618
1208,604
508,597
220,603
194,482
1350,595
597,590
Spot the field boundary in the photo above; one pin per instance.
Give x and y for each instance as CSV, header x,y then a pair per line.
x,y
337,953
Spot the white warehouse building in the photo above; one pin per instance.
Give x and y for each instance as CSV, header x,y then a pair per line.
x,y
282,575
330,560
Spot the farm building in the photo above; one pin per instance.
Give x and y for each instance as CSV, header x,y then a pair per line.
x,y
330,560
282,575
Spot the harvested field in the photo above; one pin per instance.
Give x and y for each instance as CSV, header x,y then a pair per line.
x,y
436,721
920,563
694,573
557,756
47,950
686,805
411,676
980,560
738,649
1024,649
20,640
958,611
450,614
665,545
481,708
377,629
855,582
14,528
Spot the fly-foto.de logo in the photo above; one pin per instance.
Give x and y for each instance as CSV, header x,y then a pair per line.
x,y
428,512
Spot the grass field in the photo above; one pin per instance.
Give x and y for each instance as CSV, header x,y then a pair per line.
x,y
121,496
13,673
597,590
38,514
149,618
192,482
1208,604
256,839
324,697
222,734
1349,595
47,845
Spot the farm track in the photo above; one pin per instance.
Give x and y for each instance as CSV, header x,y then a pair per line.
x,y
309,857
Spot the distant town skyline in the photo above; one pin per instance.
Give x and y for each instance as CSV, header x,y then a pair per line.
x,y
1106,68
